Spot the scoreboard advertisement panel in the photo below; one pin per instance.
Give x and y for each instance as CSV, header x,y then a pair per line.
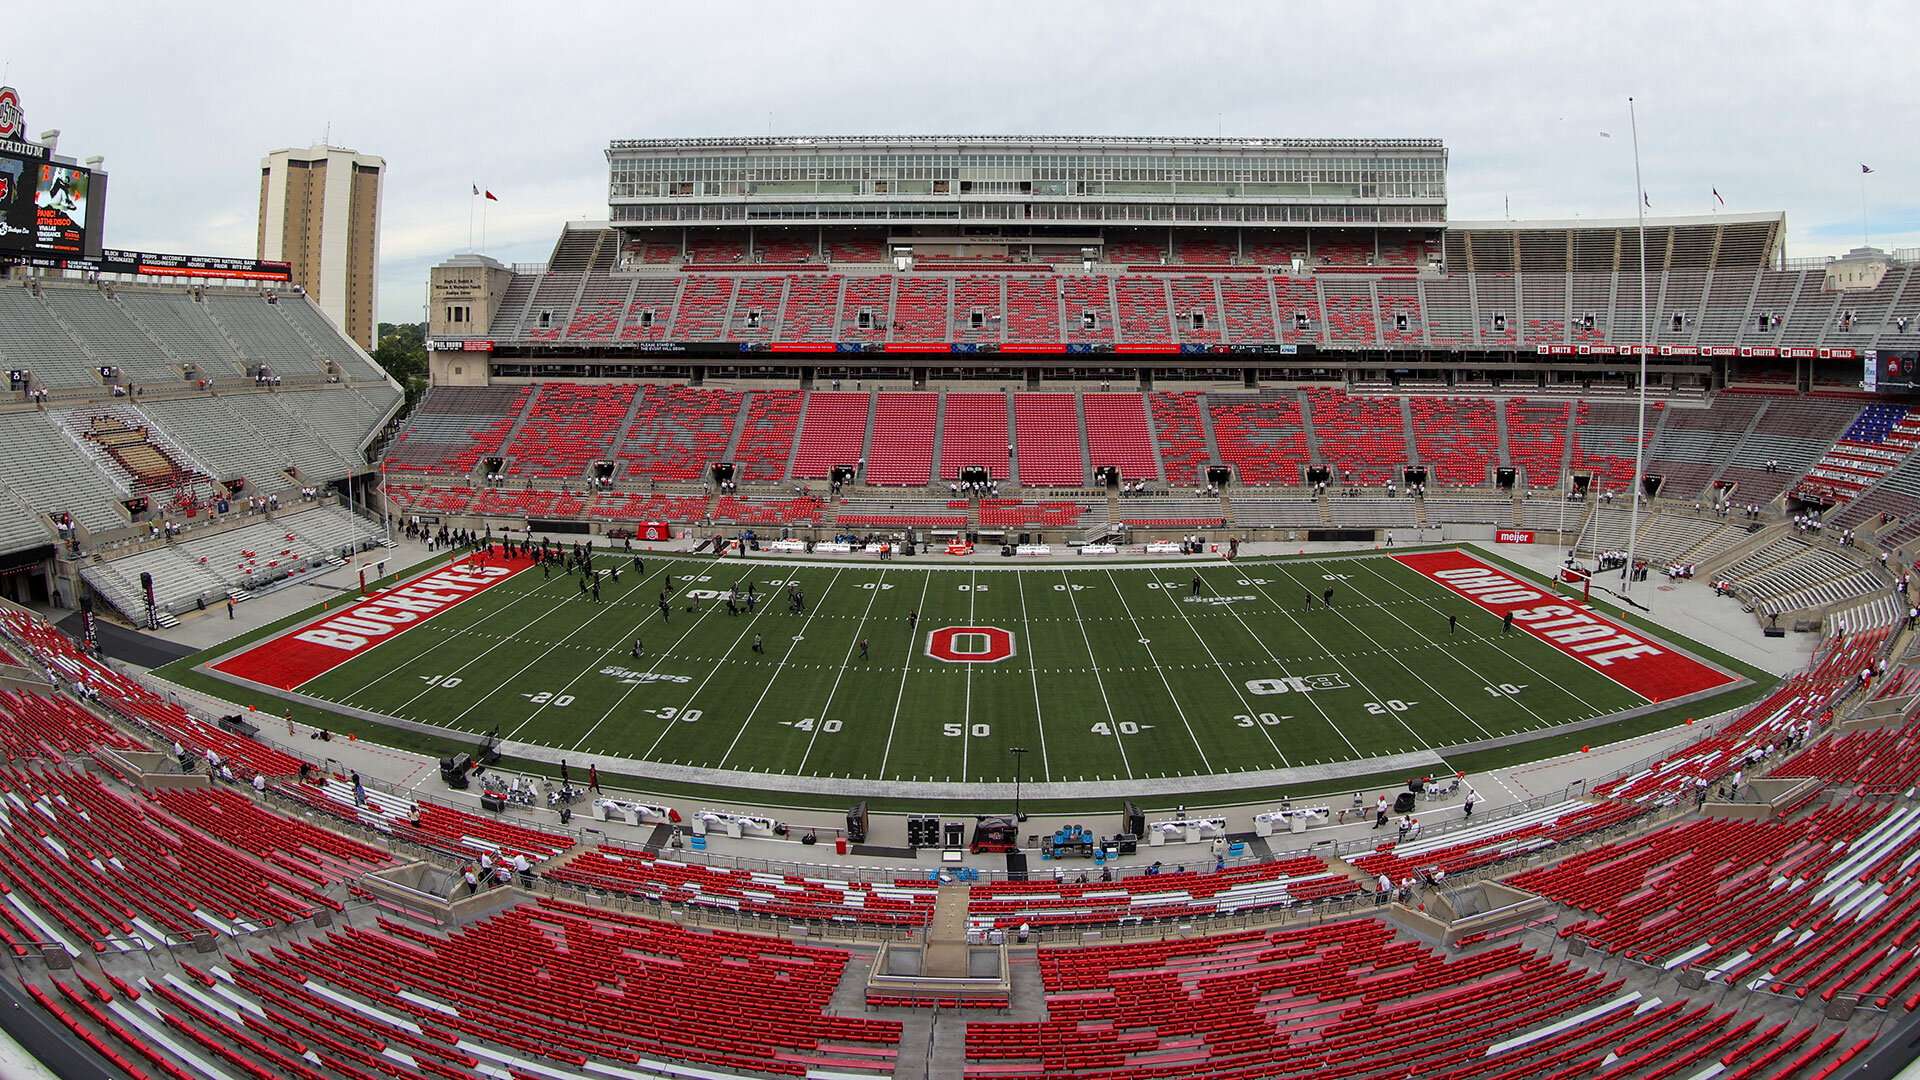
x,y
152,264
1892,371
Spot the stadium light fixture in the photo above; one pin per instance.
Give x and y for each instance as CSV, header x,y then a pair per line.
x,y
1640,443
1019,759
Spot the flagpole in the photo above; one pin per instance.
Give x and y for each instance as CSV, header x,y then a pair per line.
x,y
470,202
1864,241
1640,443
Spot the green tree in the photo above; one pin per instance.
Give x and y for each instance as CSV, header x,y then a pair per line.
x,y
402,353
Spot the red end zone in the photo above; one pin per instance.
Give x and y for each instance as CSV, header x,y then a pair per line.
x,y
1651,670
324,644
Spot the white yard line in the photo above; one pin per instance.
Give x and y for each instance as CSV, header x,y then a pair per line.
x,y
1112,723
594,666
966,712
913,646
1239,691
610,605
712,669
451,635
1275,657
1408,668
1158,670
615,707
791,645
821,721
1481,637
1039,723
1357,680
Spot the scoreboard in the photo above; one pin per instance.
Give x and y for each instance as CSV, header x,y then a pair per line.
x,y
48,208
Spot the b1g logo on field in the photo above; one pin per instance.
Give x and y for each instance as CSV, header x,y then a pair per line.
x,y
970,644
1299,684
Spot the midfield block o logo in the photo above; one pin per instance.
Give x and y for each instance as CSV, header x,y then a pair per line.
x,y
970,644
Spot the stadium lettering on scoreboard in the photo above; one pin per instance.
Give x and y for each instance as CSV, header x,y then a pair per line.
x,y
359,624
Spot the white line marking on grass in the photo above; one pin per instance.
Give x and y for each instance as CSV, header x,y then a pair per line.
x,y
1357,680
1039,723
611,604
1160,671
1408,668
1477,636
776,671
1112,723
591,667
913,646
1239,689
966,712
872,595
452,633
712,667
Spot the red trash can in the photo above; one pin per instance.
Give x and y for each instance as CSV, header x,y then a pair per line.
x,y
839,845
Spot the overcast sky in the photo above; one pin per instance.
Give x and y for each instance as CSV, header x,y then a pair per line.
x,y
1776,104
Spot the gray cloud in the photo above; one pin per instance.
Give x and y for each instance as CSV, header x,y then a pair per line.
x,y
1774,105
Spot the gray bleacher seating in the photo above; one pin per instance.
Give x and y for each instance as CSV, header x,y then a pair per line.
x,y
331,528
47,471
1793,432
1609,529
1469,511
262,334
20,527
32,339
110,335
179,582
447,422
1150,508
227,448
1694,443
314,326
292,441
1296,513
1549,510
1683,538
1372,513
342,419
180,323
1810,575
101,417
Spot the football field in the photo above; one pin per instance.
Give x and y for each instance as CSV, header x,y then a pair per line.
x,y
916,671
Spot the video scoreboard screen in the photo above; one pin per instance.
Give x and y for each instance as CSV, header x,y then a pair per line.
x,y
1892,371
47,207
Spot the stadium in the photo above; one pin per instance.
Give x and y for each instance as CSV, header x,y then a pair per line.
x,y
982,607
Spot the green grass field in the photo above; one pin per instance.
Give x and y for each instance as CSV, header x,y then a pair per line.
x,y
1115,673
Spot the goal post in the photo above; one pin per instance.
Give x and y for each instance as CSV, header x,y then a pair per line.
x,y
1571,576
